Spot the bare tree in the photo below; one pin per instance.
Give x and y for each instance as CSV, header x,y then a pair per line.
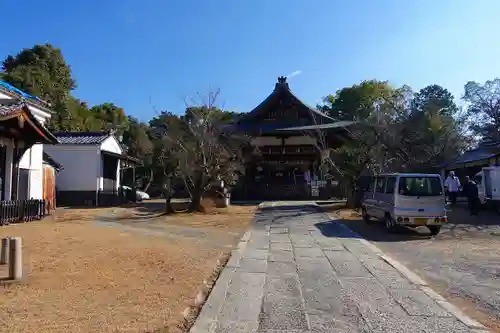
x,y
205,155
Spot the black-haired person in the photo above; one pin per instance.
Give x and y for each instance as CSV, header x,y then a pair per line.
x,y
472,193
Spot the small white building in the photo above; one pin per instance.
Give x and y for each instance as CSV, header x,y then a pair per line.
x,y
22,136
92,168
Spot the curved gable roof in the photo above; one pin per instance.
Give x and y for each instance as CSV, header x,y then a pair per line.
x,y
282,92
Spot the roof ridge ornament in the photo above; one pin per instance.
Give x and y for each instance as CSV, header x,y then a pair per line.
x,y
281,82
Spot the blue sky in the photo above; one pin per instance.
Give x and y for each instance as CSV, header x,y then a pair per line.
x,y
149,55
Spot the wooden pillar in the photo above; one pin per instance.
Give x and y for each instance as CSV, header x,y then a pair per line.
x,y
17,154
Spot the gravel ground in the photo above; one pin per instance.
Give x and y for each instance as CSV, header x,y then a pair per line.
x,y
463,261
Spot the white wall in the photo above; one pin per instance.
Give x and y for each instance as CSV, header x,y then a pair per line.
x,y
111,144
32,158
81,166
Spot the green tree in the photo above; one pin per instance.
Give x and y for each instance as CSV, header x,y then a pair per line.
x,y
376,106
111,117
432,132
41,71
484,108
137,140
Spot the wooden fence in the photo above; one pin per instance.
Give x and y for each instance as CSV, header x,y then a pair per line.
x,y
21,211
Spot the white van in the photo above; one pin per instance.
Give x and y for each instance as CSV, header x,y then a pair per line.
x,y
407,199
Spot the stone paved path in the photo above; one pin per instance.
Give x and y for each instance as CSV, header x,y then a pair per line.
x,y
289,275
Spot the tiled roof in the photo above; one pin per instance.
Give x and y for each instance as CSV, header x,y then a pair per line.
x,y
483,152
6,109
81,138
18,93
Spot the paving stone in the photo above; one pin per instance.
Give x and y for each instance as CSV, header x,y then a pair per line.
x,y
258,244
217,296
310,282
328,244
345,264
356,247
375,304
278,255
283,314
252,265
279,230
237,327
304,242
234,260
308,252
281,246
337,324
417,303
243,297
284,286
392,279
278,268
256,254
280,238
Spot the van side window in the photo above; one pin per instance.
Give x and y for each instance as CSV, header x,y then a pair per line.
x,y
379,187
390,184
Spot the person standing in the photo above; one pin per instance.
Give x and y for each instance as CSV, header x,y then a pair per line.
x,y
472,193
452,185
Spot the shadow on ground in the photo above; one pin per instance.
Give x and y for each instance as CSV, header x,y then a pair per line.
x,y
460,226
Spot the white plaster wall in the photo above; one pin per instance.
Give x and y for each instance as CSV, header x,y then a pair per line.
x,y
111,145
81,166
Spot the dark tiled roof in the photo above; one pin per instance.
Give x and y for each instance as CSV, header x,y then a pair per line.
x,y
50,161
14,92
81,138
6,109
282,91
483,152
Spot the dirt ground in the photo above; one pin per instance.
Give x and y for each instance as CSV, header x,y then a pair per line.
x,y
83,277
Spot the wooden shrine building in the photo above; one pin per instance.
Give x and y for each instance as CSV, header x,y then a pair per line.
x,y
285,161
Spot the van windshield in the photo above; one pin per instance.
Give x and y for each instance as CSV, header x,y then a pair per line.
x,y
420,186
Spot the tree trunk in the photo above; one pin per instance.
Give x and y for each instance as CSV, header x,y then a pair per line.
x,y
150,180
168,205
197,195
354,195
167,194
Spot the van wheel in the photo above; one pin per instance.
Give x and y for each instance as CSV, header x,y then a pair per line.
x,y
434,229
365,215
389,224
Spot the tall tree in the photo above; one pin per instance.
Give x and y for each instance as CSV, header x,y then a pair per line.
x,y
376,105
41,71
433,131
434,98
111,117
484,108
138,142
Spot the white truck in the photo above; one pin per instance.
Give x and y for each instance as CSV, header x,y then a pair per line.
x,y
488,183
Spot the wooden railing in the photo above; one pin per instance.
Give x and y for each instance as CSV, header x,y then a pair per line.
x,y
21,211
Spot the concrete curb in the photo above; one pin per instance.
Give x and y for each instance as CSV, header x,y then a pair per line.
x,y
414,278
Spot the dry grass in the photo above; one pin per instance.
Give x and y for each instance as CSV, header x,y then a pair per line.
x,y
86,278
348,214
234,219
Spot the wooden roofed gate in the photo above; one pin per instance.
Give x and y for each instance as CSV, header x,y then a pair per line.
x,y
22,135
